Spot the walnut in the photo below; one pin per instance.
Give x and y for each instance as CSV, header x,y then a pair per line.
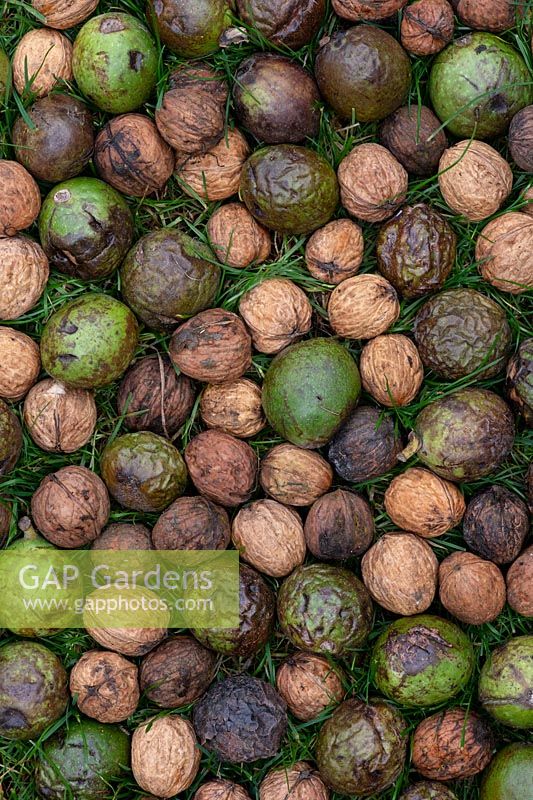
x,y
221,789
233,407
127,641
357,10
412,135
520,584
521,139
23,275
213,346
427,26
165,756
365,446
309,684
192,114
471,589
270,537
277,313
123,536
452,745
63,14
490,15
222,467
20,363
43,57
192,523
177,672
503,252
105,686
299,782
20,203
373,183
391,370
421,502
335,252
474,179
496,524
5,520
59,419
294,476
339,525
363,307
70,507
400,572
527,197
236,237
215,174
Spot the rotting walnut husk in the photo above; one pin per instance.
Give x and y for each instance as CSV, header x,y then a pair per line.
x,y
366,446
105,686
222,467
309,684
519,385
59,419
496,524
177,672
192,523
427,790
294,476
412,135
292,23
339,525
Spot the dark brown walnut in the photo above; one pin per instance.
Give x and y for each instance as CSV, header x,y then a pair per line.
x,y
339,525
521,139
165,756
70,507
270,537
391,369
277,313
412,135
192,523
427,790
63,14
400,572
357,10
519,383
59,419
123,536
10,439
215,174
496,524
105,686
5,519
42,59
192,113
60,143
236,237
292,23
529,486
471,589
177,672
309,684
298,782
372,182
490,15
421,502
128,641
362,307
24,272
222,467
335,252
294,476
213,346
452,745
233,407
20,363
416,250
153,397
520,584
366,446
427,26
221,789
130,155
503,252
20,200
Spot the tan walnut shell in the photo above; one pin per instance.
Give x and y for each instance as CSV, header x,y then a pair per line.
x,y
20,198
520,584
59,419
236,237
357,10
23,275
221,789
309,684
471,589
527,195
299,782
294,476
20,363
215,174
270,537
490,15
474,179
504,252
373,183
105,686
391,369
165,755
363,307
63,14
400,572
128,641
427,26
420,502
222,467
277,313
335,252
234,407
45,56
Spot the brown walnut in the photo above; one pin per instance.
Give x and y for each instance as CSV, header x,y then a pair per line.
x,y
5,519
222,467
527,197
105,686
520,584
221,789
366,446
20,363
335,252
410,133
192,523
236,237
363,307
59,419
357,10
503,252
490,15
391,370
123,536
521,139
20,203
23,275
421,502
299,782
373,183
165,756
427,26
215,174
309,684
471,589
45,57
63,14
234,407
496,524
127,641
277,313
294,476
177,672
270,537
339,525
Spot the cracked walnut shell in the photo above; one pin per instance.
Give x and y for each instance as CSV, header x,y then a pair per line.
x,y
63,14
277,313
270,537
236,238
20,200
357,10
299,782
391,370
24,272
471,589
420,502
427,26
165,756
20,363
503,252
215,174
373,184
335,252
59,419
309,684
45,57
294,476
363,307
233,407
105,686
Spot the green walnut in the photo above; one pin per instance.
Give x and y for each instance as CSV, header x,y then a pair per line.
x,y
10,439
505,683
30,541
422,661
190,28
477,85
509,775
290,189
115,62
324,609
86,228
309,390
167,277
5,77
89,342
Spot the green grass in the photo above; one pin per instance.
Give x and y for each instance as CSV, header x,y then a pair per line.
x,y
177,209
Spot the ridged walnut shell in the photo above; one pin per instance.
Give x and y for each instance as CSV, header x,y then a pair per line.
x,y
63,14
400,572
234,407
192,523
213,346
427,26
503,252
10,438
128,641
221,789
357,10
471,589
490,15
363,307
294,476
165,756
520,139
366,446
299,782
496,524
335,252
452,745
520,584
339,525
215,174
59,419
177,672
391,370
277,313
123,536
427,790
222,467
527,195
270,537
45,56
372,182
410,133
105,686
20,202
23,275
20,363
421,502
237,239
309,684
474,179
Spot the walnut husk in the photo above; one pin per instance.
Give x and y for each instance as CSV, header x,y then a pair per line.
x,y
474,179
299,782
400,572
105,686
372,182
495,16
45,56
165,756
413,135
20,202
520,139
222,467
234,407
221,789
277,313
59,419
335,252
270,537
471,589
363,307
192,523
20,363
339,525
357,10
177,672
215,174
420,502
309,684
427,26
128,641
503,252
391,370
520,584
63,14
23,275
5,519
452,745
123,536
294,476
237,238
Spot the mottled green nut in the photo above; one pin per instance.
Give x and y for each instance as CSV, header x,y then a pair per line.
x,y
422,661
10,439
509,776
506,683
290,189
5,77
190,28
89,342
520,380
115,62
30,541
